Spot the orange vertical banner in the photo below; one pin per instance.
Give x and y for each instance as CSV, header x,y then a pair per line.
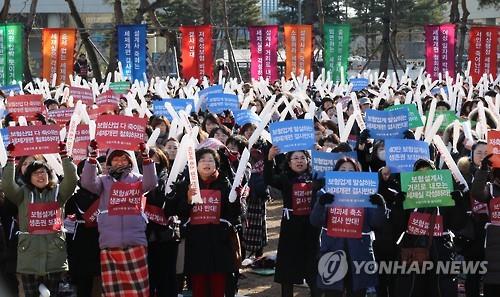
x,y
58,48
298,48
197,59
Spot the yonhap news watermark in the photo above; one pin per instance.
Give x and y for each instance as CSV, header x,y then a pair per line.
x,y
333,266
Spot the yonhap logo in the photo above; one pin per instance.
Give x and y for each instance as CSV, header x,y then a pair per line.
x,y
332,267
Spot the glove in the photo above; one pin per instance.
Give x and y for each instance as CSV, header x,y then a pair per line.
x,y
456,195
318,183
363,136
10,152
62,150
377,199
408,134
93,151
143,148
326,198
486,162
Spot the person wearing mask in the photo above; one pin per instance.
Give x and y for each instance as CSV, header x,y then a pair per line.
x,y
210,231
121,219
356,249
298,239
40,200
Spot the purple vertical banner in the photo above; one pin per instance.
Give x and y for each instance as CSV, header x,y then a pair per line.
x,y
440,49
263,49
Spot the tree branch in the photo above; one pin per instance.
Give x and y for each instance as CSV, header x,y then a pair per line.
x,y
5,11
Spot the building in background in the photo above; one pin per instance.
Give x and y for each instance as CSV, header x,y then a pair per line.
x,y
267,8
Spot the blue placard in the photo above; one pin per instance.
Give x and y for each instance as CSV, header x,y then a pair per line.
x,y
244,116
5,136
401,154
352,189
202,95
178,105
7,89
387,124
217,103
132,51
323,161
437,90
359,84
293,135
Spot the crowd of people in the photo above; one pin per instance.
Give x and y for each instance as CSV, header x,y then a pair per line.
x,y
168,243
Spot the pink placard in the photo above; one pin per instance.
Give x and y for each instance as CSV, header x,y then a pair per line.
x,y
263,51
34,140
120,132
345,222
440,49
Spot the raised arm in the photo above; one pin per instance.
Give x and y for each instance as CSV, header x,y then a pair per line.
x,y
12,191
68,184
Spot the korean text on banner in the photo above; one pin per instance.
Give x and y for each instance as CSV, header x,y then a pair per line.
x,y
34,140
323,161
298,48
293,135
429,188
196,51
217,103
401,154
177,104
11,53
120,132
25,105
440,49
483,47
263,49
414,117
387,124
132,50
58,47
352,189
336,53
244,116
345,222
493,147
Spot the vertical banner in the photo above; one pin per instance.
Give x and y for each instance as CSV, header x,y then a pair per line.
x,y
132,50
440,49
483,42
336,52
298,48
263,49
11,53
58,47
197,59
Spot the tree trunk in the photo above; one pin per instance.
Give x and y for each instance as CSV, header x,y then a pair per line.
x,y
206,12
454,12
233,67
463,32
321,16
5,11
27,31
118,11
386,19
84,35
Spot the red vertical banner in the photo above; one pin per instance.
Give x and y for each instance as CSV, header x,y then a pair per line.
x,y
440,49
263,49
483,43
197,59
58,47
298,48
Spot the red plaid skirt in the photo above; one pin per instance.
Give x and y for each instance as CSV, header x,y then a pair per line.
x,y
125,272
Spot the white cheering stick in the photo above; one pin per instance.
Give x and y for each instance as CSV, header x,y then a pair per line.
x,y
242,165
430,118
429,134
456,135
193,171
450,163
152,139
344,135
359,117
71,135
340,117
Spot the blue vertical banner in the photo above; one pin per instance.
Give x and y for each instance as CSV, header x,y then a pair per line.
x,y
132,50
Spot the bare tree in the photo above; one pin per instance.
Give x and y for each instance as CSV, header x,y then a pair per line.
x,y
463,32
386,19
84,35
118,11
5,11
27,31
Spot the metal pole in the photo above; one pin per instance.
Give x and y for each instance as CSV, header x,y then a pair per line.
x,y
299,10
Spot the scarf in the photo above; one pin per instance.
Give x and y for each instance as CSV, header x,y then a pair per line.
x,y
117,172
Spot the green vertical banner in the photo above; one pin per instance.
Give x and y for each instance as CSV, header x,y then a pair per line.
x,y
336,52
11,53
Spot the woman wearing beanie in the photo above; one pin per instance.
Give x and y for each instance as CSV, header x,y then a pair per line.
x,y
40,201
121,220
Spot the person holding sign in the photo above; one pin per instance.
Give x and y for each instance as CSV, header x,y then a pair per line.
x,y
121,219
211,237
298,240
348,229
486,188
417,244
41,250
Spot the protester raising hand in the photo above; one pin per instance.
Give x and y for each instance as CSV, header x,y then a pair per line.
x,y
273,152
